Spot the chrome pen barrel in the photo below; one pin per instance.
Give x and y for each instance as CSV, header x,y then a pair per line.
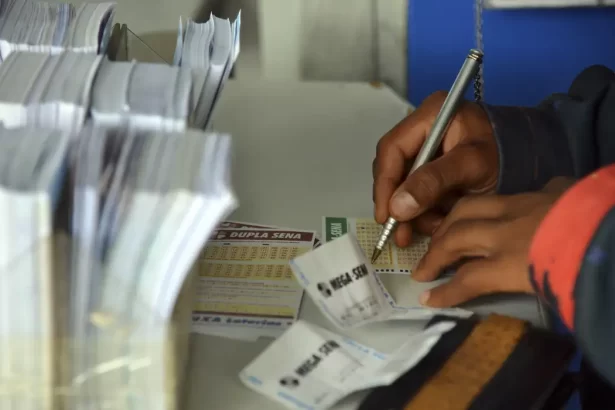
x,y
387,230
449,107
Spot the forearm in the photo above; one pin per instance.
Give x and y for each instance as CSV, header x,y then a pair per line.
x,y
572,265
568,135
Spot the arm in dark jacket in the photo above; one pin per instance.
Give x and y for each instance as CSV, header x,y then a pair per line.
x,y
573,252
568,135
572,259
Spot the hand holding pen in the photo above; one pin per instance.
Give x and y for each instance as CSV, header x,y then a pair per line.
x,y
468,163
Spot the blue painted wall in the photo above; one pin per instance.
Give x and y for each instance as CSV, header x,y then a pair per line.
x,y
529,54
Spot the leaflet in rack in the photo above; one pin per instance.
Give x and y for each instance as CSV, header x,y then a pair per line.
x,y
246,288
392,259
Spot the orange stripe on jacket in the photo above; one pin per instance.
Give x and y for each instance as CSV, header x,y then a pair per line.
x,y
562,239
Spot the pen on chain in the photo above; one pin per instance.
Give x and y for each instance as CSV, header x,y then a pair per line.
x,y
432,142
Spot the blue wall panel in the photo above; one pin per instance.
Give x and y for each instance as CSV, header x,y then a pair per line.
x,y
528,53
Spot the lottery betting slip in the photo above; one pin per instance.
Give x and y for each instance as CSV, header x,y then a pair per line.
x,y
246,289
348,291
367,231
309,367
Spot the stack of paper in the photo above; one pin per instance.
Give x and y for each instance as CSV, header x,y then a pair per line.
x,y
210,49
89,324
44,90
145,204
27,25
88,292
90,28
148,96
33,162
142,96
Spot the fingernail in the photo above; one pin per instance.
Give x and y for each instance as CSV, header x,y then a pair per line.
x,y
424,297
403,205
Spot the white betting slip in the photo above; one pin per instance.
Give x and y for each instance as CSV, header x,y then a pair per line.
x,y
309,367
343,284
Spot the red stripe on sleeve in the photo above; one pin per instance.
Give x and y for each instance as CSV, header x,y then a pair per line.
x,y
561,241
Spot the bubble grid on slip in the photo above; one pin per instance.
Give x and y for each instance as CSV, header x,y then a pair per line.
x,y
392,259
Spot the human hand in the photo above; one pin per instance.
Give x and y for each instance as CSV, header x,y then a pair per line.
x,y
495,232
468,164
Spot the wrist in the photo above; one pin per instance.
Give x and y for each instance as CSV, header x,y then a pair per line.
x,y
530,152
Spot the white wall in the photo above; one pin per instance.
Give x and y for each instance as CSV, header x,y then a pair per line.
x,y
349,40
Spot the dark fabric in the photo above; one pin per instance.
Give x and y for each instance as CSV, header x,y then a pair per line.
x,y
569,134
595,392
531,147
563,392
595,300
530,375
531,378
396,395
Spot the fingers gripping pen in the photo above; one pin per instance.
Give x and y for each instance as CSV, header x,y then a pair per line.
x,y
432,142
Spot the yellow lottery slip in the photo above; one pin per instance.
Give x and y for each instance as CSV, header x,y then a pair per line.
x,y
244,279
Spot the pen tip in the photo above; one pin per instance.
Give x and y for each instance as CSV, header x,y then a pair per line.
x,y
375,255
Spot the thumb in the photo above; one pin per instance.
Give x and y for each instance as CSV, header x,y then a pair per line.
x,y
465,167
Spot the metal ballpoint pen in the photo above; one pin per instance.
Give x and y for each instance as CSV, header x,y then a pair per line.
x,y
432,142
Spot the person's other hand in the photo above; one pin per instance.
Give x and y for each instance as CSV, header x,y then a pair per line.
x,y
493,235
468,164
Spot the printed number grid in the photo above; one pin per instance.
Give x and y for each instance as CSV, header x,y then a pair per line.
x,y
245,271
406,259
206,283
367,235
412,255
251,253
218,290
244,309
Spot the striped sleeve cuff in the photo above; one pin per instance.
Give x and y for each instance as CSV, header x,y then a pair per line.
x,y
561,241
531,146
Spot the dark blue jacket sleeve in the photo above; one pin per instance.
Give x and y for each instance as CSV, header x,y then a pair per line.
x,y
568,134
573,252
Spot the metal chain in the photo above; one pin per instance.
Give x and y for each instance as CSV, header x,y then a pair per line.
x,y
479,80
